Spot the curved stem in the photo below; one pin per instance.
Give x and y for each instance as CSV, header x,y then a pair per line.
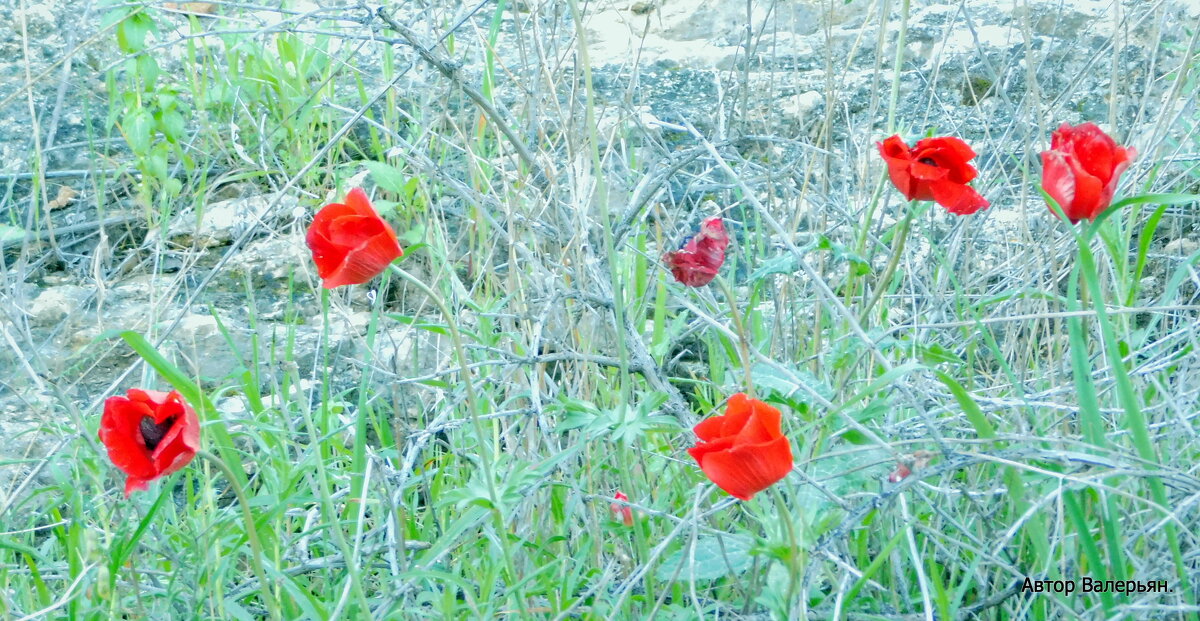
x,y
251,533
485,459
743,338
894,260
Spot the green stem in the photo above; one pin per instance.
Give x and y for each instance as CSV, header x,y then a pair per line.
x,y
251,534
796,560
1135,420
897,65
485,459
897,249
740,326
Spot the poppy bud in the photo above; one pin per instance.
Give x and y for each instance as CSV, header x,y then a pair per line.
x,y
1082,168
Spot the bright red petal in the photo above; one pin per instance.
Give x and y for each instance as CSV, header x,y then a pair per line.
x,y
738,412
1058,181
360,204
898,159
746,470
1089,193
121,435
950,149
179,446
1094,149
927,172
958,199
762,426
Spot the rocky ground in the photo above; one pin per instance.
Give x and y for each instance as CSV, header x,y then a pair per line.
x,y
808,96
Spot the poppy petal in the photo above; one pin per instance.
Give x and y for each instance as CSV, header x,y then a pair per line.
x,y
762,426
1058,181
927,172
744,471
957,198
121,437
358,202
1094,149
1089,192
951,146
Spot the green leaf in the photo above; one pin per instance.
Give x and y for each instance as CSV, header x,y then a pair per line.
x,y
177,378
138,128
132,31
1141,199
781,264
9,233
790,384
714,556
968,405
858,265
388,177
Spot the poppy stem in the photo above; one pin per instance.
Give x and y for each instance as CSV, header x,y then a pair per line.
x,y
251,533
473,410
740,326
897,249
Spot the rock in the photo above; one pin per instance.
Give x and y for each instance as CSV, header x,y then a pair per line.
x,y
1181,247
55,304
798,107
222,222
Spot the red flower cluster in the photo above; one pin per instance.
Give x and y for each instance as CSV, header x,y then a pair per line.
x,y
696,264
1082,168
149,434
744,451
1080,171
350,243
936,169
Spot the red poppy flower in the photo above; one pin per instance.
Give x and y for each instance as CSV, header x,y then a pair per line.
x,y
696,264
744,451
1082,168
936,169
350,243
621,512
149,434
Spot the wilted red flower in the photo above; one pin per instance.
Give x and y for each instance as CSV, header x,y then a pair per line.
x,y
936,169
744,451
350,243
149,434
1082,168
696,264
621,512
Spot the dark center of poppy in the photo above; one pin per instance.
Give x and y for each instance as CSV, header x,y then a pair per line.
x,y
153,433
927,160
